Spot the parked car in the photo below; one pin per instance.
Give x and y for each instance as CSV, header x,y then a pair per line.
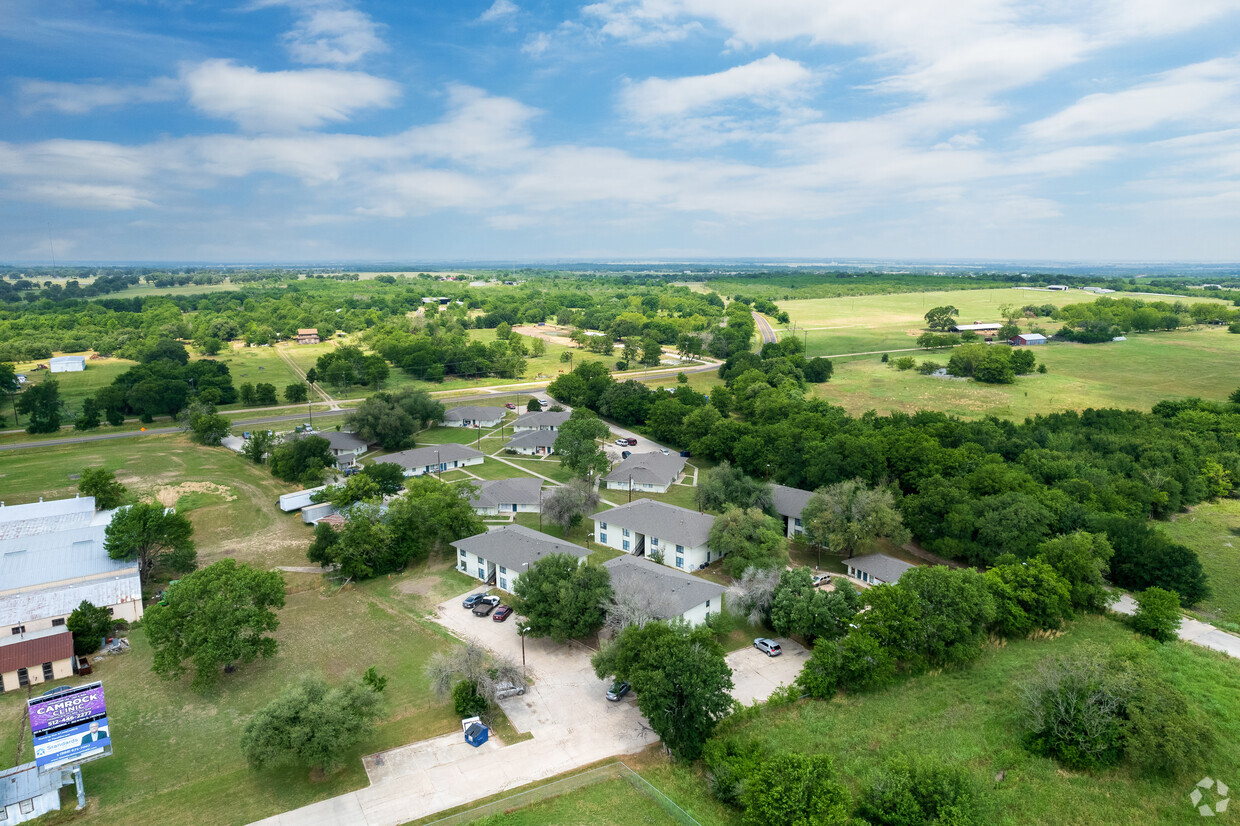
x,y
820,579
485,606
510,406
352,471
622,442
472,600
767,647
684,454
664,451
624,454
617,691
505,690
630,442
502,613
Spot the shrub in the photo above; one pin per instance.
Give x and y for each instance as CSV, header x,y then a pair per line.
x,y
730,761
1158,614
928,367
1073,709
1164,737
466,699
919,791
905,363
795,789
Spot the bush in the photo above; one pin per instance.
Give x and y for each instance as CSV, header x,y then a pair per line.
x,y
919,791
1158,614
795,789
1164,737
928,367
905,363
1073,709
466,699
729,763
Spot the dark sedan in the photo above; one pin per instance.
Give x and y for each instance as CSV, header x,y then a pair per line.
x,y
502,613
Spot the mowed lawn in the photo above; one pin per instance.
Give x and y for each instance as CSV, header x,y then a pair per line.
x,y
177,754
609,803
971,718
74,387
1137,373
257,365
1213,531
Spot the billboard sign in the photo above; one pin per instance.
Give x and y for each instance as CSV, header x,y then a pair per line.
x,y
66,708
75,744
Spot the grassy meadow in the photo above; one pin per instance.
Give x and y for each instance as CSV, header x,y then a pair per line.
x,y
1213,531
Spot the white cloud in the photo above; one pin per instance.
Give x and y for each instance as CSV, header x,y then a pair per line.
x,y
328,31
283,101
644,22
499,10
84,196
1207,92
80,98
536,45
768,81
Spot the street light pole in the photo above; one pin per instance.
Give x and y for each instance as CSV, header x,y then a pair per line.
x,y
438,466
630,488
540,509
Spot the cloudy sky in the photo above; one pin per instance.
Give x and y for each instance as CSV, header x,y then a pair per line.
x,y
268,130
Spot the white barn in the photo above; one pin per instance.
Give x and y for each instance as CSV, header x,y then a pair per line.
x,y
67,364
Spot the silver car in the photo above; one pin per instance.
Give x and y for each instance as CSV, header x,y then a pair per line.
x,y
767,647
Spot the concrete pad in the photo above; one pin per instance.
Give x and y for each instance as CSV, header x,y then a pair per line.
x,y
755,676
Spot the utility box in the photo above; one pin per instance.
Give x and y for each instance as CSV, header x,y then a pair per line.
x,y
475,732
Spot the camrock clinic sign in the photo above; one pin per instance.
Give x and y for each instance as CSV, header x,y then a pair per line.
x,y
70,726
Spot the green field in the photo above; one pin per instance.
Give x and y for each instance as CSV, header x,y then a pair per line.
x,y
610,803
255,365
971,718
1213,531
74,387
1137,373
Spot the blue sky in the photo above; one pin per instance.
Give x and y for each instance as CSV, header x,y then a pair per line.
x,y
315,130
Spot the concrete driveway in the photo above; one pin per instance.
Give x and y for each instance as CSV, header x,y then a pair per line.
x,y
1191,630
755,676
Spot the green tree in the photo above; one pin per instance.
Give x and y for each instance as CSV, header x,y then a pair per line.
x,y
310,725
211,346
792,789
302,460
652,351
1081,558
388,476
910,792
727,486
214,617
91,416
295,393
41,404
805,611
1028,595
357,488
258,446
746,538
534,405
941,318
995,367
956,609
265,393
576,443
153,536
849,517
561,598
566,505
429,516
1158,614
680,676
246,395
89,624
467,701
204,425
101,484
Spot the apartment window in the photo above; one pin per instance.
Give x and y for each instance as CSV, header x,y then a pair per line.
x,y
625,544
111,611
23,678
482,574
58,621
680,549
1,692
798,522
680,562
48,673
19,629
624,532
602,538
654,543
602,526
503,583
707,603
26,806
708,557
462,554
502,569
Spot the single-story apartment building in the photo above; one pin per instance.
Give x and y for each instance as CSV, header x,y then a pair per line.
x,y
434,458
1028,339
877,569
35,657
533,442
648,472
789,503
52,557
663,593
27,793
346,446
67,364
544,420
499,496
656,529
473,416
501,555
307,335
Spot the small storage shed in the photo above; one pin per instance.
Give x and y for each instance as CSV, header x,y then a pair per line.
x,y
67,364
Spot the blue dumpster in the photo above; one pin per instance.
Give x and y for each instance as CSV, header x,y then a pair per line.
x,y
475,732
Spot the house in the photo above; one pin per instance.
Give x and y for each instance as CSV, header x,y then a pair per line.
x,y
877,569
503,554
651,528
35,657
433,458
345,446
499,496
533,442
661,592
27,793
647,472
473,417
52,558
976,327
1028,339
307,335
68,364
545,420
789,503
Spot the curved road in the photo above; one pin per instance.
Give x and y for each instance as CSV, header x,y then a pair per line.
x,y
764,328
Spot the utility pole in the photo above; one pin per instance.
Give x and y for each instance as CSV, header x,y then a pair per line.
x,y
438,466
540,508
630,488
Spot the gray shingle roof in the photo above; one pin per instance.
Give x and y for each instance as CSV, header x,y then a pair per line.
x,y
678,591
648,468
545,418
789,501
534,438
679,526
474,414
422,456
881,566
521,491
514,545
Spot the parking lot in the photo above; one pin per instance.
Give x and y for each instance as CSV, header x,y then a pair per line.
x,y
755,676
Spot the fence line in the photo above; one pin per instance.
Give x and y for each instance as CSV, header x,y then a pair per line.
x,y
601,774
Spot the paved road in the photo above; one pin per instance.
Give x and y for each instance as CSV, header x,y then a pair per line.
x,y
764,328
156,431
1191,630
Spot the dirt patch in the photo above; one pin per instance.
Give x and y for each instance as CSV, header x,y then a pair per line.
x,y
418,586
169,494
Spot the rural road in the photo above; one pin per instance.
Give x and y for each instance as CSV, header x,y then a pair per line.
x,y
764,328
